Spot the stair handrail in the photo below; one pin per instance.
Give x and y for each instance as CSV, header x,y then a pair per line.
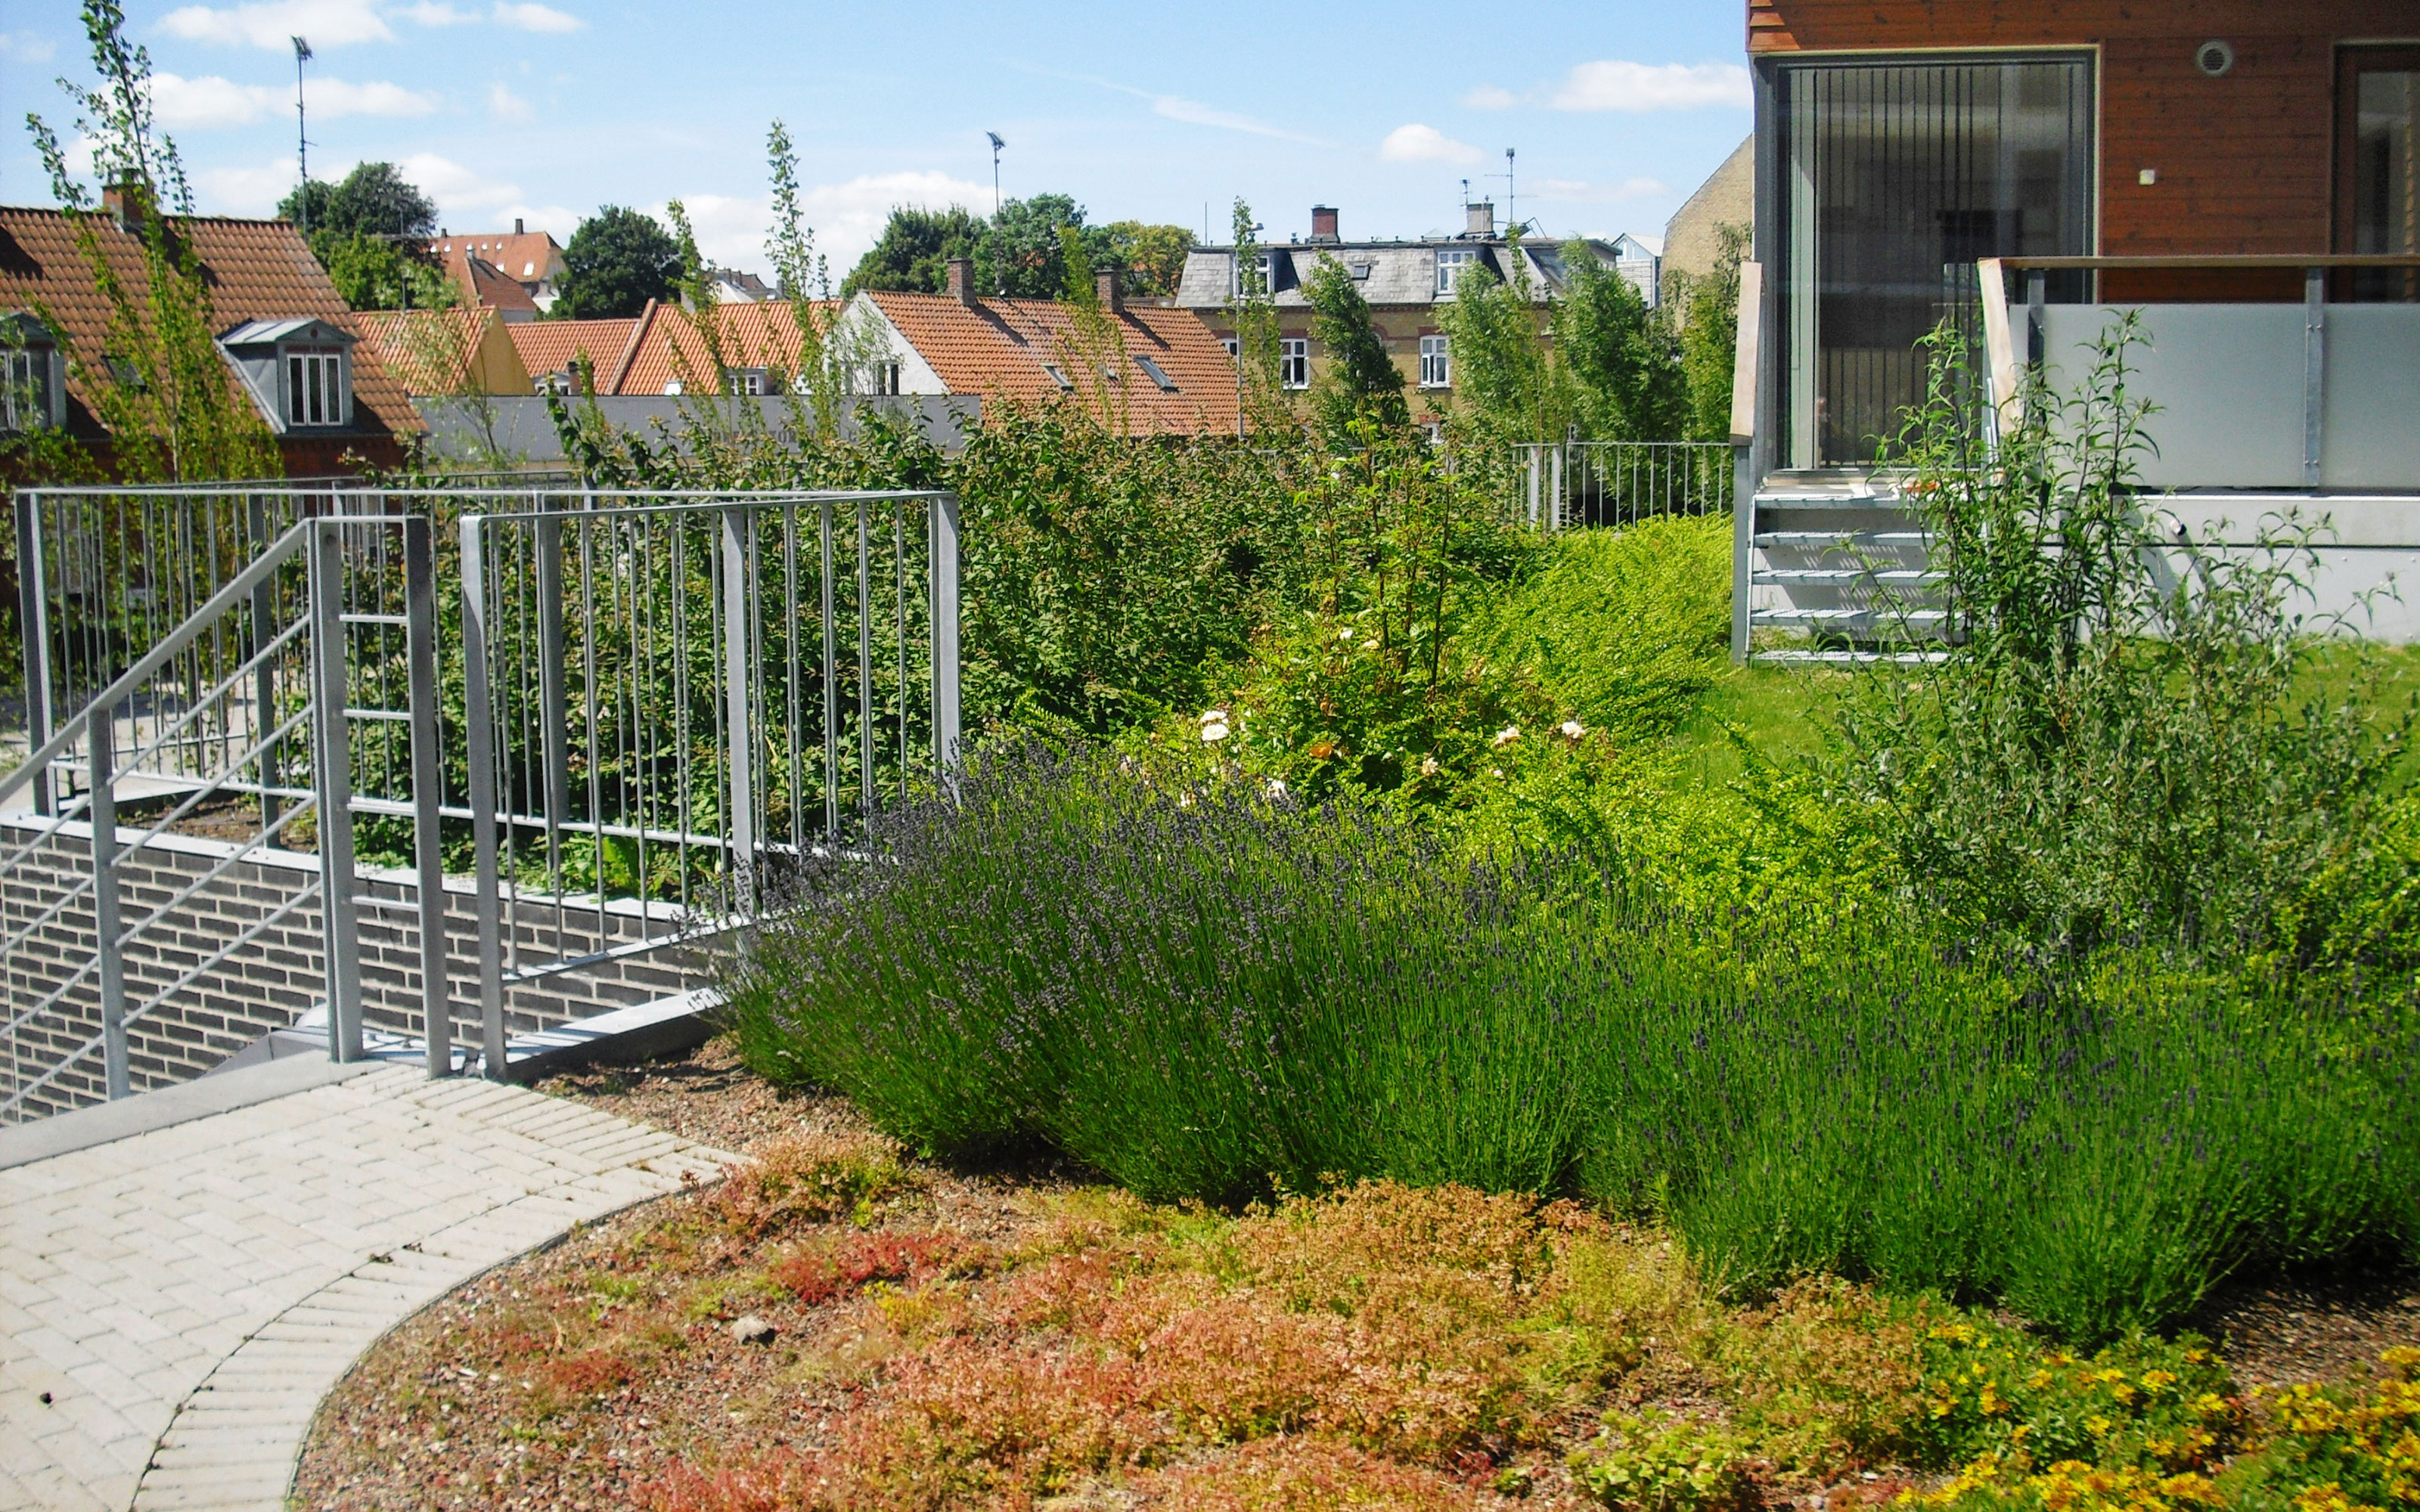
x,y
239,587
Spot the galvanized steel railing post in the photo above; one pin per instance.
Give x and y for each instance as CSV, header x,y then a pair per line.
x,y
737,615
338,921
427,790
479,719
33,623
101,743
553,714
945,637
264,677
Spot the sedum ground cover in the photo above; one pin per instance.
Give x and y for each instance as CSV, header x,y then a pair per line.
x,y
948,1338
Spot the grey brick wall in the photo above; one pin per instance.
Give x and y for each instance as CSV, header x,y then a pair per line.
x,y
278,975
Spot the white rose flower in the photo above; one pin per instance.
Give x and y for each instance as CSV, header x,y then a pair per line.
x,y
1505,736
1214,732
1573,730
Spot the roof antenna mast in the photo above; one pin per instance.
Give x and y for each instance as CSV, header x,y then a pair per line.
x,y
1511,221
301,137
996,145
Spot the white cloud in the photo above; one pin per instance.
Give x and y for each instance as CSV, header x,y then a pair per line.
x,y
436,13
201,103
245,191
530,17
1488,97
454,187
1415,143
504,105
1613,84
847,218
274,23
25,47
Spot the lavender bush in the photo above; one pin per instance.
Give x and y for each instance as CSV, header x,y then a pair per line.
x,y
1201,990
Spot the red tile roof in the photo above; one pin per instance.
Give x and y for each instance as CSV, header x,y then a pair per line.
x,y
550,346
1005,348
671,345
529,257
443,352
254,269
485,284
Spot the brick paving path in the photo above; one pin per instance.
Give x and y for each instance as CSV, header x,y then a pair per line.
x,y
186,1297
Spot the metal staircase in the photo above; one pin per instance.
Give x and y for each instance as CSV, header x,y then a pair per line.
x,y
1836,570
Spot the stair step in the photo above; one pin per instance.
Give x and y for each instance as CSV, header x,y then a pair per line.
x,y
1843,574
1828,501
1835,616
1842,537
1861,659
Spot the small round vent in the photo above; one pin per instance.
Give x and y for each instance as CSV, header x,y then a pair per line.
x,y
2214,57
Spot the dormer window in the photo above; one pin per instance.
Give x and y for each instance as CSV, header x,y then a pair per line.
x,y
31,394
315,386
1450,261
749,381
300,371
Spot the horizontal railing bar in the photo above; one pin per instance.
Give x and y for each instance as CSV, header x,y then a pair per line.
x,y
271,557
374,619
397,716
250,665
258,843
206,789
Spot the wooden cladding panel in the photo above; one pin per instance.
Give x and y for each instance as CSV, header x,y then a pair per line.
x,y
1785,25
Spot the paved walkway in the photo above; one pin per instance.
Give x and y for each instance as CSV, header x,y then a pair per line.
x,y
175,1303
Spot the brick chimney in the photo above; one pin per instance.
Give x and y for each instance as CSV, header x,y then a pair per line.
x,y
128,202
1478,220
1109,285
1323,223
516,225
962,281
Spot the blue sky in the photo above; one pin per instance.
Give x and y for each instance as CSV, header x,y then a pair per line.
x,y
503,108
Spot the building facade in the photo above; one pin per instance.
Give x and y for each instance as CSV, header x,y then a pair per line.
x,y
1406,284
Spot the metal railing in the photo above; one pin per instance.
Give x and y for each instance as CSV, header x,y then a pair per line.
x,y
1564,484
616,712
271,725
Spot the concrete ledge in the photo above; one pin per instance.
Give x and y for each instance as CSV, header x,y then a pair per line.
x,y
106,1122
663,1027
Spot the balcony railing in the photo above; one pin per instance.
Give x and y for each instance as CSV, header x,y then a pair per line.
x,y
2319,395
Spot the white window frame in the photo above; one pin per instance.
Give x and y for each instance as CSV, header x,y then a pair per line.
x,y
1235,345
744,382
317,396
28,389
1437,363
1266,262
1450,261
1293,362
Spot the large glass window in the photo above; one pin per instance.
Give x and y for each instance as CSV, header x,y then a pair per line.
x,y
2382,148
1897,178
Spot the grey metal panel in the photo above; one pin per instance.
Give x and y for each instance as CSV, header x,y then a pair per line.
x,y
2228,379
2373,397
459,429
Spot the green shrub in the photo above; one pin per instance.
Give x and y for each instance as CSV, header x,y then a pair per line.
x,y
1196,988
1662,1462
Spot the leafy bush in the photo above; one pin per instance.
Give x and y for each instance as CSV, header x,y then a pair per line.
x,y
1194,987
1659,1461
2113,746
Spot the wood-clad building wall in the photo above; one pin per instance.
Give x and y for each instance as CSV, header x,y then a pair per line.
x,y
2245,161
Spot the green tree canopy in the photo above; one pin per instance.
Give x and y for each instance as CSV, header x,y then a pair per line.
x,y
1625,362
915,250
1709,309
617,261
1360,383
1020,252
370,231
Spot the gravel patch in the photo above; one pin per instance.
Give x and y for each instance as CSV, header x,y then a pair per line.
x,y
2286,1331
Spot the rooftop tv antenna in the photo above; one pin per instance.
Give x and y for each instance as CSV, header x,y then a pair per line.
x,y
301,137
996,145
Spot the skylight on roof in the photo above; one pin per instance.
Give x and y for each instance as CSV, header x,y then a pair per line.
x,y
1057,376
1157,374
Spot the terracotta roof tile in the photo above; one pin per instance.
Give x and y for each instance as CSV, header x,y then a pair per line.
x,y
254,269
1005,348
529,257
673,349
490,285
444,351
550,346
